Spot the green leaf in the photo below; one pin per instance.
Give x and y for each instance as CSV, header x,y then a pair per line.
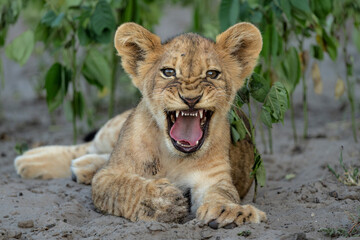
x,y
302,5
330,44
240,128
68,110
291,69
321,8
265,52
84,36
51,19
274,40
243,96
96,69
235,136
224,13
317,52
356,37
21,47
78,104
270,41
259,87
234,12
42,32
56,83
261,175
275,105
20,148
3,33
259,170
265,117
286,7
72,3
102,22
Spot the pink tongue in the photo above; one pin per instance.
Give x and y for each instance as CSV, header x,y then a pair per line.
x,y
187,130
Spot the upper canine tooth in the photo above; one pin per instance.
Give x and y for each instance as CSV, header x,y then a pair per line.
x,y
177,114
182,113
201,113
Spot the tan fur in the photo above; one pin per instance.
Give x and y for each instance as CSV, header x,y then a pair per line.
x,y
146,176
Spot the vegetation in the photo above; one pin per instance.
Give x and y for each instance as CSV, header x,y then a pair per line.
x,y
353,231
350,176
245,233
78,35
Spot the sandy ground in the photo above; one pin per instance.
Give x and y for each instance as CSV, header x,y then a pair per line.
x,y
297,208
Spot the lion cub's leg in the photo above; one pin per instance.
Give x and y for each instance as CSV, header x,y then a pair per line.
x,y
48,162
54,161
122,193
84,168
218,199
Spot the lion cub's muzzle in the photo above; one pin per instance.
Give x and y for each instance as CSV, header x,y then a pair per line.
x,y
188,128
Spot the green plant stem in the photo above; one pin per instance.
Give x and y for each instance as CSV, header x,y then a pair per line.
x,y
75,110
251,124
255,190
254,144
293,125
305,103
2,77
263,140
270,140
350,92
113,86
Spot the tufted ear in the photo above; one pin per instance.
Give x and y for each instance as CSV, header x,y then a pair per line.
x,y
244,42
134,44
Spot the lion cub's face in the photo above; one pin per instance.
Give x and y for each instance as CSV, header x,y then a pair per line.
x,y
188,82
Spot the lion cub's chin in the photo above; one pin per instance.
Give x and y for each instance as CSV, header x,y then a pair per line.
x,y
188,129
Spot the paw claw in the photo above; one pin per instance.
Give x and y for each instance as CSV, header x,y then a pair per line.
x,y
230,226
214,224
230,215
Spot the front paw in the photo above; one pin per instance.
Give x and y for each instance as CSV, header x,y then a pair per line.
x,y
164,203
219,215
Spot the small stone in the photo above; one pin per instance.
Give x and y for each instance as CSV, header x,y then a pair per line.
x,y
26,224
156,227
14,234
300,236
6,216
334,194
206,234
20,194
50,226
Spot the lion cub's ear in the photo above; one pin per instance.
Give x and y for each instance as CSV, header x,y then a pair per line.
x,y
134,44
244,42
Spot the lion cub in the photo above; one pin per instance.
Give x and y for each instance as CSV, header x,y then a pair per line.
x,y
177,139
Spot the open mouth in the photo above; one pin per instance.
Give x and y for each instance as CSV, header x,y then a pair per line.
x,y
188,128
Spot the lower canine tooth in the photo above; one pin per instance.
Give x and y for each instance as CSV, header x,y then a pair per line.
x,y
197,142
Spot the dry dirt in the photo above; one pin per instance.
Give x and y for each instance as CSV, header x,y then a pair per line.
x,y
297,208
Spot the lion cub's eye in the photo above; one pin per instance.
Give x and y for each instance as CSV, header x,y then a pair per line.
x,y
212,74
168,72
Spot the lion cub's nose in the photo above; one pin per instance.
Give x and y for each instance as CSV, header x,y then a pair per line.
x,y
190,101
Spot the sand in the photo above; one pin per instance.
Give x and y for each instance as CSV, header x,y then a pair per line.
x,y
297,208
